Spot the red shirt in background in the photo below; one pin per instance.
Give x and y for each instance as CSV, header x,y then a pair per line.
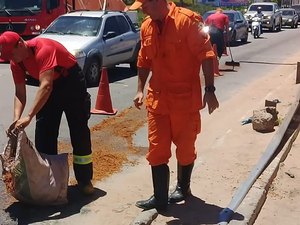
x,y
219,20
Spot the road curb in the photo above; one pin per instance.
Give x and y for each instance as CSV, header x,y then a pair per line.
x,y
254,200
145,217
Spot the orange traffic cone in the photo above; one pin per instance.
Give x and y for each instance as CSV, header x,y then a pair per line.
x,y
216,62
103,102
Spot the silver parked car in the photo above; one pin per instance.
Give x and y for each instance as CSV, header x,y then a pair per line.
x,y
97,39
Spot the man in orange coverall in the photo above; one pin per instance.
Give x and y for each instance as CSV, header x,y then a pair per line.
x,y
173,48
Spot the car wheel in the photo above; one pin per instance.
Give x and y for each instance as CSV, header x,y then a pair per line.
x,y
255,35
233,38
133,66
245,39
293,25
92,74
273,27
278,27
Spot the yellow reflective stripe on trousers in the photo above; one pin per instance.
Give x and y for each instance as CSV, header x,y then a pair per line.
x,y
82,160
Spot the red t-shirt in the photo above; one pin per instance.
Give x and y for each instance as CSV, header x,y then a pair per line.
x,y
47,55
219,20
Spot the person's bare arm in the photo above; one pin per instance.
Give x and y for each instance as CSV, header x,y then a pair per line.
x,y
19,105
42,95
209,97
19,100
208,71
142,78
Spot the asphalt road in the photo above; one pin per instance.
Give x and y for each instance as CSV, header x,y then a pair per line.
x,y
271,49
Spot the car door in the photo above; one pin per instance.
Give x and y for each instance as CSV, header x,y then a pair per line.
x,y
238,25
243,25
112,41
128,39
277,14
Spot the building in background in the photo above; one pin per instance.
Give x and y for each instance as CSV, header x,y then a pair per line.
x,y
225,2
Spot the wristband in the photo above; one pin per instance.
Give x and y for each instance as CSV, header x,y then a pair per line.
x,y
210,88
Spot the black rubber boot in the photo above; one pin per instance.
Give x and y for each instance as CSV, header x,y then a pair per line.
x,y
160,179
183,183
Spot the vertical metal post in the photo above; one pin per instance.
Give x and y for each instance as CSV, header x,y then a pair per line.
x,y
298,73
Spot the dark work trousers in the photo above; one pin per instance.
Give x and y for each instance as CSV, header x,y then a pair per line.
x,y
69,95
217,37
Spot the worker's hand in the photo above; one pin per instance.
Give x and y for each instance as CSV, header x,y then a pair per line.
x,y
11,129
23,122
18,125
138,100
211,100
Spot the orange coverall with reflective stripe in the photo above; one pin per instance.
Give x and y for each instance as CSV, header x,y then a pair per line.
x,y
173,99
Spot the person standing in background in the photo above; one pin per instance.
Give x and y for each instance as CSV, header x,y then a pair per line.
x,y
218,23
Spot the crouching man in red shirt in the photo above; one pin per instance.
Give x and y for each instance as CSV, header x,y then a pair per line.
x,y
61,89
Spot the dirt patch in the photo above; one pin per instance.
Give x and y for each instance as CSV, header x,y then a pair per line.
x,y
282,203
112,142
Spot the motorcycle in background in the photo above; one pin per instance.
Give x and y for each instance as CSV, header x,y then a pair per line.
x,y
256,27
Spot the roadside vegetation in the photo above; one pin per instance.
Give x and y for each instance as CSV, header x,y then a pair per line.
x,y
190,4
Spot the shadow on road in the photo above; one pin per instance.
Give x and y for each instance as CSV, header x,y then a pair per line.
x,y
118,73
27,214
195,211
237,43
115,74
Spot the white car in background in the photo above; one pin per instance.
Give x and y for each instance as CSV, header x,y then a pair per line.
x,y
97,39
272,18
